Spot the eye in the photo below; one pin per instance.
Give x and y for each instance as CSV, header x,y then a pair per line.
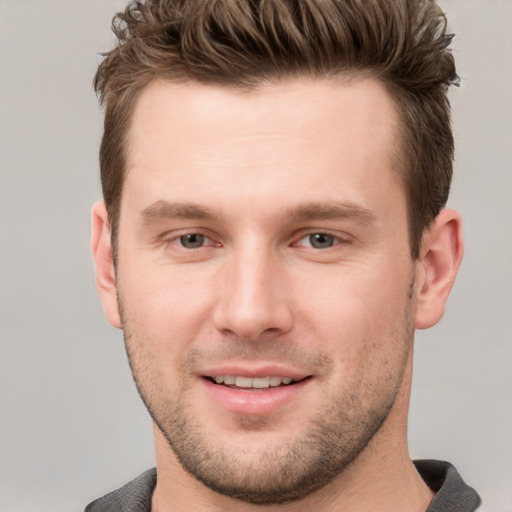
x,y
188,242
318,240
192,240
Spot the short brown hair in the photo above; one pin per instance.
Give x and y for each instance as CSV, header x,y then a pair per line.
x,y
244,43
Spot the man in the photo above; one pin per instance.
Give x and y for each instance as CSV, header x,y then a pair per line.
x,y
272,233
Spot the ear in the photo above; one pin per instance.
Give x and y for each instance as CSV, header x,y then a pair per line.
x,y
104,262
440,257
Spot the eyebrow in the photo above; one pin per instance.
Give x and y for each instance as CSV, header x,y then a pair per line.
x,y
162,210
330,211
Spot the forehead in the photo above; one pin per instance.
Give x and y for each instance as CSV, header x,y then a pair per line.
x,y
291,106
283,141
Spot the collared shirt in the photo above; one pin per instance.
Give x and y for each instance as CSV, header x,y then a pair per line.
x,y
452,493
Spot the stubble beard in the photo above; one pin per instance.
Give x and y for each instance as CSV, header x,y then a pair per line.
x,y
286,474
332,440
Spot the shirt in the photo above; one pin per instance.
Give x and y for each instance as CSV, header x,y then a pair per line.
x,y
452,493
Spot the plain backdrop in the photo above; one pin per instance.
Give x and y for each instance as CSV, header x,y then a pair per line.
x,y
71,424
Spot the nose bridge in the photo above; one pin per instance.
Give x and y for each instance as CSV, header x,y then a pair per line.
x,y
253,299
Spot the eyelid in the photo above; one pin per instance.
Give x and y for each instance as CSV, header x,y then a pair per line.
x,y
174,236
340,238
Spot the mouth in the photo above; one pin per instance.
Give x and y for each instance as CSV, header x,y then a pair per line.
x,y
255,391
254,383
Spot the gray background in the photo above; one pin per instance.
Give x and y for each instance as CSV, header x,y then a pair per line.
x,y
71,424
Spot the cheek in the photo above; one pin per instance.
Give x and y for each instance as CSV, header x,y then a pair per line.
x,y
355,299
162,318
361,318
164,307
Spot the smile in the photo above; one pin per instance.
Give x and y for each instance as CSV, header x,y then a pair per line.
x,y
234,381
263,392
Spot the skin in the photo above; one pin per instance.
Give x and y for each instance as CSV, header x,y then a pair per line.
x,y
256,180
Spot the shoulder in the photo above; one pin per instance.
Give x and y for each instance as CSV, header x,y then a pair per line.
x,y
452,493
135,496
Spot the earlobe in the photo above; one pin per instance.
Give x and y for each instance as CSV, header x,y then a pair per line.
x,y
440,258
104,263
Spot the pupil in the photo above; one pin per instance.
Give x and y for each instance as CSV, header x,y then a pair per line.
x,y
321,240
192,241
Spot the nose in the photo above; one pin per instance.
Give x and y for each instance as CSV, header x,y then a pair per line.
x,y
252,300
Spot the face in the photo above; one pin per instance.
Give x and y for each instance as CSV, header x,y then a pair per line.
x,y
264,278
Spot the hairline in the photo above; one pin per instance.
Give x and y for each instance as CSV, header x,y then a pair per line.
x,y
399,154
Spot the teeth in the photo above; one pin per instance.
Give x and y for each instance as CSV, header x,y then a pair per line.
x,y
261,383
248,382
243,382
275,381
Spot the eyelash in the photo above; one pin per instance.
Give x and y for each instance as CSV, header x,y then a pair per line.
x,y
336,240
178,240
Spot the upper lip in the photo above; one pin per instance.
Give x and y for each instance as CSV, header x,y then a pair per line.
x,y
254,371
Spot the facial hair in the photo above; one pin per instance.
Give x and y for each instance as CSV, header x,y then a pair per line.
x,y
342,427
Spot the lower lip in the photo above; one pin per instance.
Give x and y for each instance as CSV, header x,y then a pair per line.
x,y
259,401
